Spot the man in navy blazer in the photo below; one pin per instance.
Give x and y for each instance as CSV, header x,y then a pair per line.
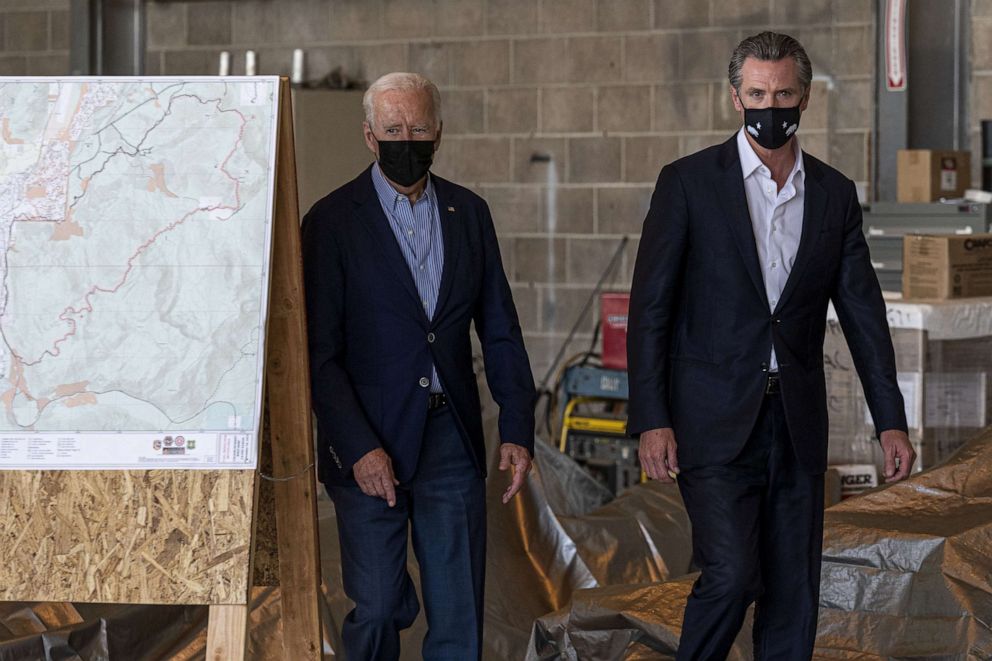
x,y
398,263
743,247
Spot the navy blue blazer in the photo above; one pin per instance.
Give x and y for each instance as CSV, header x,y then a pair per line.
x,y
371,342
700,332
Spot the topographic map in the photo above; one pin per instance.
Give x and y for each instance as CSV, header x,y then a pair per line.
x,y
135,233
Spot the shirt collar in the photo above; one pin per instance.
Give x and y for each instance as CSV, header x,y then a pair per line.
x,y
750,161
389,196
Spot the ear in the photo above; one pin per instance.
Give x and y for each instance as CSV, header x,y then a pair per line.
x,y
738,106
370,139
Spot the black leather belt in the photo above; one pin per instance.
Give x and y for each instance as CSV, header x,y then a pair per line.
x,y
436,401
773,387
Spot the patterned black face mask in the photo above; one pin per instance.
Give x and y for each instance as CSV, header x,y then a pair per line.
x,y
771,127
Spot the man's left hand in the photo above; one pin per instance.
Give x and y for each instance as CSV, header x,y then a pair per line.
x,y
517,457
899,455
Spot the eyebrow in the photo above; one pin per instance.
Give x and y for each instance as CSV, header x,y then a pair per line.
x,y
751,90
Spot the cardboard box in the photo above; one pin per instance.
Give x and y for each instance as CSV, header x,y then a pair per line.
x,y
946,266
856,478
926,175
946,385
614,307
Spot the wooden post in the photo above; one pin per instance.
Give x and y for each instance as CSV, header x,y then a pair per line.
x,y
287,382
227,632
287,386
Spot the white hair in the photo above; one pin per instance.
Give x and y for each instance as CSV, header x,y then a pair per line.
x,y
401,81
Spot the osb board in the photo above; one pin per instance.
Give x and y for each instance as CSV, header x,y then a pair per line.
x,y
266,559
159,536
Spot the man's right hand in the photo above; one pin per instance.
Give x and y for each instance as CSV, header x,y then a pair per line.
x,y
374,474
657,454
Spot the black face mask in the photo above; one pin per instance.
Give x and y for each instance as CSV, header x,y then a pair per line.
x,y
405,161
771,127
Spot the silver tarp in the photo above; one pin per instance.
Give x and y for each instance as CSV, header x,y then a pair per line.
x,y
907,574
574,574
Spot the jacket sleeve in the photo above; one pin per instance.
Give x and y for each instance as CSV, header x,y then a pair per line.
x,y
508,371
654,292
340,417
857,298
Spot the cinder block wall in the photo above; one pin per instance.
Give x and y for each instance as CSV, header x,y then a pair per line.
x,y
981,81
560,112
34,37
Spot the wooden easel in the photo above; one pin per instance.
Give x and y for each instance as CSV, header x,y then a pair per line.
x,y
191,536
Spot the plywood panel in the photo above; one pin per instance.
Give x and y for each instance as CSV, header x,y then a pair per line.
x,y
266,559
169,537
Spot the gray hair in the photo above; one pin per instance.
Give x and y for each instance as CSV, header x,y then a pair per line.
x,y
404,82
770,46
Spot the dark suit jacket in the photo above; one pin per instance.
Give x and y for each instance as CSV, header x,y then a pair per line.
x,y
371,341
700,331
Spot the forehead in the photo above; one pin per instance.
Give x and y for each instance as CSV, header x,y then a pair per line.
x,y
413,104
765,74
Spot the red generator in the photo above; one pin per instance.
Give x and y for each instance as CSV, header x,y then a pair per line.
x,y
613,310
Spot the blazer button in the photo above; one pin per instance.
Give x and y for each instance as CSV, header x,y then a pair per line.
x,y
777,320
424,382
431,337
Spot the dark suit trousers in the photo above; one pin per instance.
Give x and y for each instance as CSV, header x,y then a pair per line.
x,y
757,531
444,509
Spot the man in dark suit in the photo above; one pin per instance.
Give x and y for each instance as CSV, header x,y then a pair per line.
x,y
743,247
398,263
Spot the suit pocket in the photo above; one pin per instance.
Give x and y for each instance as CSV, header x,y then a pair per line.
x,y
694,360
832,221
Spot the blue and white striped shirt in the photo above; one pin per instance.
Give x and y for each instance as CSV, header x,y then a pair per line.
x,y
417,228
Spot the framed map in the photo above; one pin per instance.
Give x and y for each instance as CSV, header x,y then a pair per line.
x,y
135,241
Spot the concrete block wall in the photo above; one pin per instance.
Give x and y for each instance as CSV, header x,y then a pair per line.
x,y
559,112
34,37
980,106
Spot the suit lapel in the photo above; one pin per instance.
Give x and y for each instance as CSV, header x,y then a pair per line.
x,y
814,208
735,210
373,219
450,212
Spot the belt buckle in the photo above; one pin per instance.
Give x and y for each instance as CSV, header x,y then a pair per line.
x,y
773,385
436,400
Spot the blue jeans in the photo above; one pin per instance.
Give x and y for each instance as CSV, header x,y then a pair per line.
x,y
444,507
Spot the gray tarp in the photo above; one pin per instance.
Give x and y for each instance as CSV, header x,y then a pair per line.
x,y
907,574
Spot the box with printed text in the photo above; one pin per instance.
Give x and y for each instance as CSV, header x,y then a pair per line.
x,y
946,266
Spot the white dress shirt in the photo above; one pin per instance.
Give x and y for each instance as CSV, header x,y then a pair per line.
x,y
776,218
